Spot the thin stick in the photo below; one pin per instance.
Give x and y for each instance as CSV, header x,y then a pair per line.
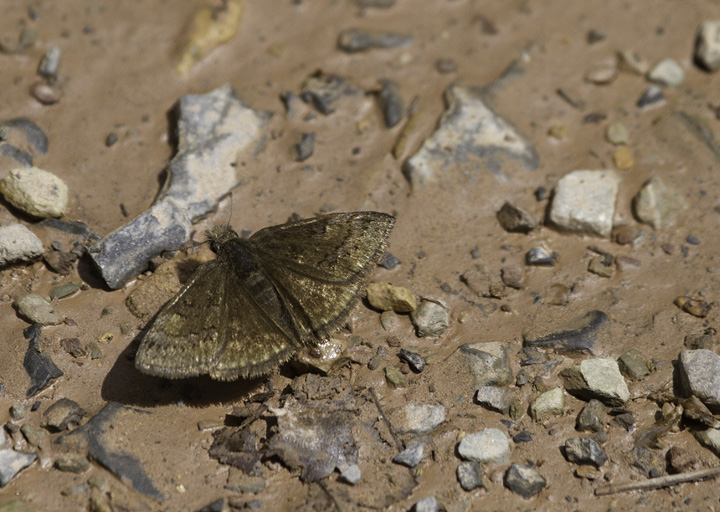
x,y
398,444
661,481
330,495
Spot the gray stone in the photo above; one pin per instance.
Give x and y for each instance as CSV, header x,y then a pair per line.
x,y
590,417
584,202
215,131
632,364
524,480
597,378
32,132
35,192
38,364
700,376
632,62
418,418
305,147
354,40
469,475
549,403
36,309
9,151
667,72
657,204
539,257
426,505
12,462
18,411
489,445
411,456
585,451
72,463
695,341
470,136
63,414
494,398
516,220
430,318
710,438
50,63
328,93
653,96
648,461
513,276
391,103
579,335
488,363
239,481
707,47
386,297
351,474
18,243
413,359
35,436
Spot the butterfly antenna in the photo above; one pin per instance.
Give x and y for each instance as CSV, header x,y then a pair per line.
x,y
231,210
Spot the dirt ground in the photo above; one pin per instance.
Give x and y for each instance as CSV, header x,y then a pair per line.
x,y
118,75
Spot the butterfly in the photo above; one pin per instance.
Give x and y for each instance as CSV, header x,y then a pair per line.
x,y
262,298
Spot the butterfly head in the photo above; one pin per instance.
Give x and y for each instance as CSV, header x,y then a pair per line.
x,y
218,235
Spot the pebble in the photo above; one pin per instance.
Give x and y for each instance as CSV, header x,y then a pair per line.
x,y
18,243
699,372
64,414
679,460
695,341
625,235
653,96
469,475
632,62
386,297
421,418
597,378
514,219
624,263
617,134
522,437
648,461
411,456
50,63
32,132
426,505
64,290
430,318
379,4
72,463
707,47
35,436
633,365
539,257
395,377
695,307
391,103
494,398
488,363
327,92
36,192
584,202
512,276
38,364
12,462
602,73
692,240
45,94
354,40
351,474
524,480
598,266
585,451
19,411
667,72
389,262
590,417
73,346
305,147
657,204
415,360
579,335
488,446
623,159
36,309
549,403
445,65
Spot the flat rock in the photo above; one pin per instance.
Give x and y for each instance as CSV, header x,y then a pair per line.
x,y
707,46
430,318
489,445
549,403
597,378
657,204
584,202
699,372
36,192
386,297
514,219
585,451
495,398
524,480
469,475
36,309
418,418
215,131
488,363
469,137
579,335
18,243
667,72
38,365
633,365
72,463
12,462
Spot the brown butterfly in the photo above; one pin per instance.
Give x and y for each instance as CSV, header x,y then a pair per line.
x,y
250,309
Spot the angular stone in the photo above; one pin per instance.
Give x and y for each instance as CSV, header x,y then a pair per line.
x,y
539,257
597,378
699,372
489,445
469,475
429,504
421,418
648,461
707,46
351,474
470,136
585,451
413,359
411,456
12,462
667,72
37,192
590,417
653,96
710,438
386,297
632,364
512,276
584,202
18,243
577,336
38,364
36,309
494,398
516,220
430,318
549,403
656,204
63,414
488,363
524,480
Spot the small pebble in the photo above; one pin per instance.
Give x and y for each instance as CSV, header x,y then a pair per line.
x,y
411,456
395,377
415,360
445,65
352,40
537,256
50,62
707,48
45,94
430,318
692,240
632,62
622,158
667,72
652,96
389,261
541,193
305,147
64,290
617,134
111,139
36,309
469,475
524,480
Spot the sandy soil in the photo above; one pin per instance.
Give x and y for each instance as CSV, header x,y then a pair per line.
x,y
118,75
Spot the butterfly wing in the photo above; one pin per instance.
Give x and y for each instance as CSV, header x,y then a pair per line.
x,y
318,265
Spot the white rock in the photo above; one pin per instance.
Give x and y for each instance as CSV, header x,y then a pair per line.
x,y
667,72
422,418
700,374
36,192
657,204
489,445
584,202
707,49
597,378
549,403
18,243
12,462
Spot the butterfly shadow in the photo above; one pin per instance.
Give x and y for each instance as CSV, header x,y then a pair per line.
x,y
127,385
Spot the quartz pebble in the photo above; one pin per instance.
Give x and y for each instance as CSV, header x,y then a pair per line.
x,y
667,72
584,202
